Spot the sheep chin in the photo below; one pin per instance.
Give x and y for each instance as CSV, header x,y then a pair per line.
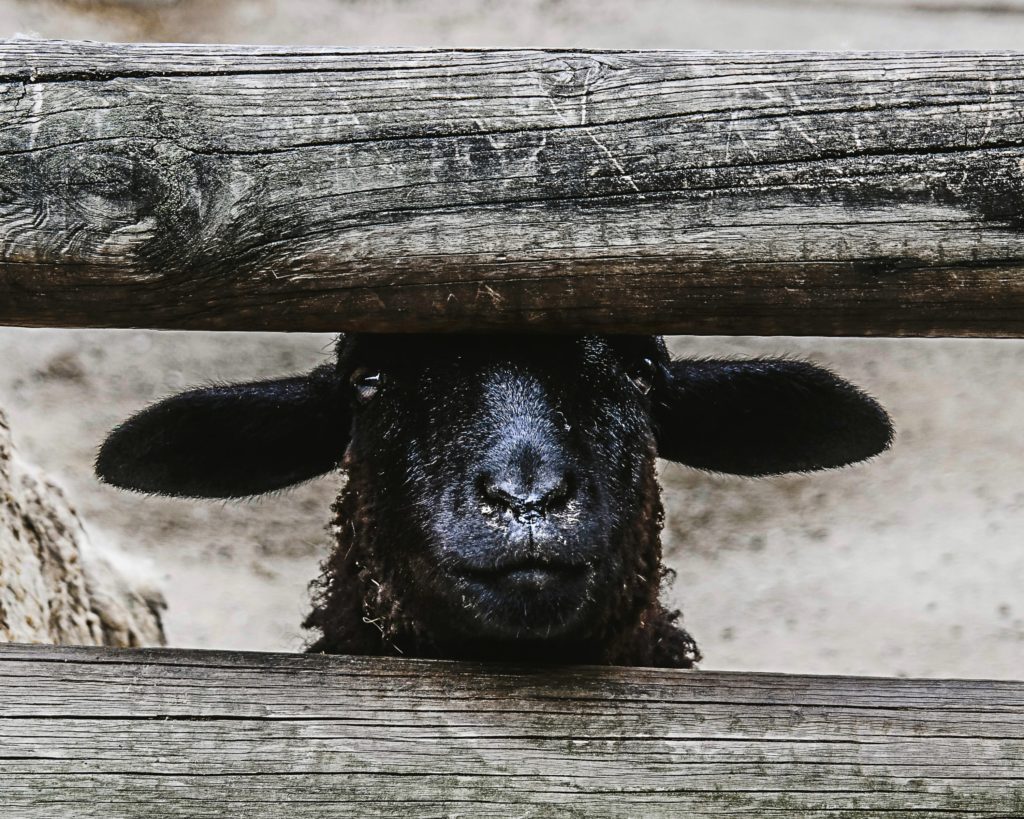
x,y
525,601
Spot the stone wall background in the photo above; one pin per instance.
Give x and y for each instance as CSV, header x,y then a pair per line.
x,y
912,564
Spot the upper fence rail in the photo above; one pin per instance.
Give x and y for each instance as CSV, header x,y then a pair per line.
x,y
256,188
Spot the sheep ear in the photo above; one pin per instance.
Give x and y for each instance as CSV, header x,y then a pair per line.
x,y
765,417
231,441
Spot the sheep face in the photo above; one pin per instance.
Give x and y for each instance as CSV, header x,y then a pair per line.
x,y
513,471
504,485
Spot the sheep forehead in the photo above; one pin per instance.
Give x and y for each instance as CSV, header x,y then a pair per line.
x,y
511,388
572,357
470,387
509,394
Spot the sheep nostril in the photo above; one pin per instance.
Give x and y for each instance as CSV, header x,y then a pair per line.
x,y
501,499
535,500
560,494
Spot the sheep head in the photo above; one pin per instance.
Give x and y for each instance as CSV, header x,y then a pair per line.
x,y
511,477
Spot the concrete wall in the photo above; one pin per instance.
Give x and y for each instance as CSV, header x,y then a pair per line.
x,y
912,564
788,24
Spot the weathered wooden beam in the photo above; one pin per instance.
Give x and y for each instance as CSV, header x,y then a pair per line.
x,y
104,733
942,6
230,187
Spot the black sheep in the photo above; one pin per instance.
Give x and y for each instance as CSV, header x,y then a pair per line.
x,y
501,499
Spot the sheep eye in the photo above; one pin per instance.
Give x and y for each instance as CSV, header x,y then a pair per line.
x,y
642,376
367,382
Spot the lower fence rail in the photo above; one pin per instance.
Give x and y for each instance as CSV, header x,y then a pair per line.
x,y
155,733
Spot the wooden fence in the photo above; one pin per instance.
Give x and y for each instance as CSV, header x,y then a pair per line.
x,y
301,189
111,734
219,187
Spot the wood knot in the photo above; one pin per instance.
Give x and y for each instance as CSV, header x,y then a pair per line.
x,y
570,76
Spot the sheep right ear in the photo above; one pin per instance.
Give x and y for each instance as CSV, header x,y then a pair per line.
x,y
765,417
231,441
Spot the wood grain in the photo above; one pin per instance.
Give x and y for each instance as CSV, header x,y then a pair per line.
x,y
109,733
953,7
231,187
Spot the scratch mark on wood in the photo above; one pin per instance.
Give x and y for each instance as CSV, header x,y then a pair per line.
x,y
614,162
36,116
739,132
795,120
989,119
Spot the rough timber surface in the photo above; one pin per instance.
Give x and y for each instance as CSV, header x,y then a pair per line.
x,y
262,188
160,733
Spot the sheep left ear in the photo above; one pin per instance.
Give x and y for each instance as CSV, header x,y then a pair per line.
x,y
764,417
231,441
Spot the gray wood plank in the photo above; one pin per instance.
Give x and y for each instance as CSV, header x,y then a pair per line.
x,y
230,187
117,733
957,7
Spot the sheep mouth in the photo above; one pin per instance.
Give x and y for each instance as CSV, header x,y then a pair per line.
x,y
526,599
524,573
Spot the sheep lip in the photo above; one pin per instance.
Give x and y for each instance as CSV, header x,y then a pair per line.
x,y
522,570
